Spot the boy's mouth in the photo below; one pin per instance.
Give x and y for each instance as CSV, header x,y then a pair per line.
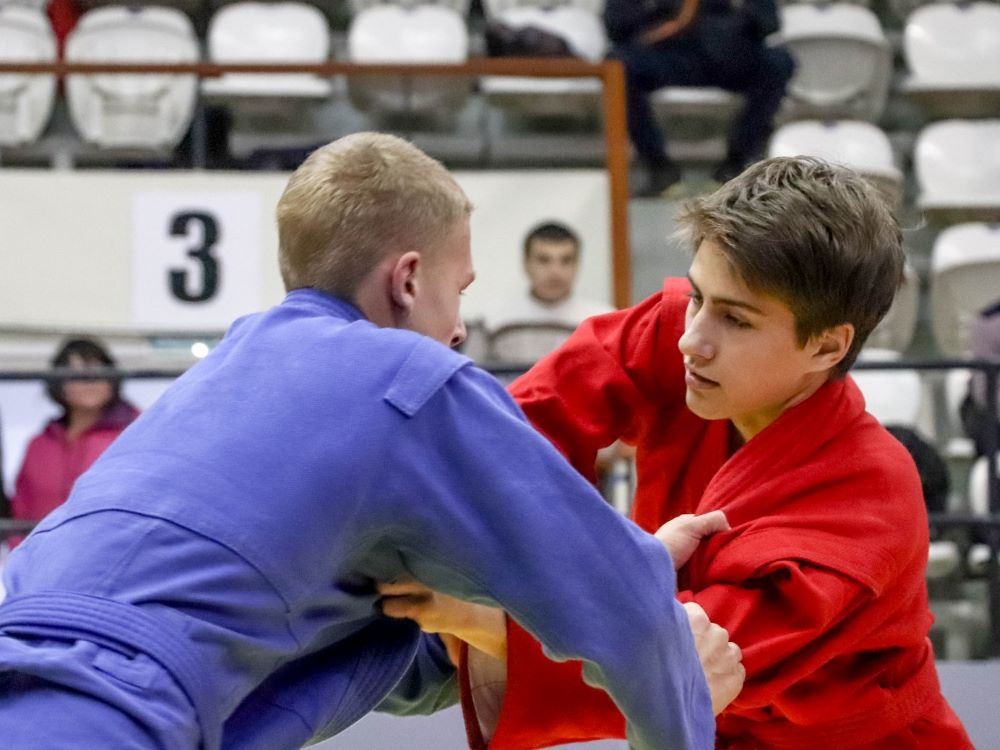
x,y
696,381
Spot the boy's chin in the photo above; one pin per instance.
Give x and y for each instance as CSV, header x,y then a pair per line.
x,y
702,407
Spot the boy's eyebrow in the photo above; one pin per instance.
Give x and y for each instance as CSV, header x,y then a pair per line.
x,y
728,301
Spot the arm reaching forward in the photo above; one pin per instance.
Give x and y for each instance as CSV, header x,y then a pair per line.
x,y
484,628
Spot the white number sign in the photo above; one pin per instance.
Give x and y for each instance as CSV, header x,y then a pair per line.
x,y
195,258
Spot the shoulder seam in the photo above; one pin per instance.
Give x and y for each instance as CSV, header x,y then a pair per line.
x,y
424,371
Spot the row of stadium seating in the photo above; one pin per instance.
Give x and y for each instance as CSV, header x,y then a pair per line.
x,y
894,10
845,63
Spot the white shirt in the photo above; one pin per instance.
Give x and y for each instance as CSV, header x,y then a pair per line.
x,y
525,308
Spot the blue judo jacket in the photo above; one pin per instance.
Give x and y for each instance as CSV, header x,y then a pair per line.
x,y
210,582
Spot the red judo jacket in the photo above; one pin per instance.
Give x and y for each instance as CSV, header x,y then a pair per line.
x,y
820,580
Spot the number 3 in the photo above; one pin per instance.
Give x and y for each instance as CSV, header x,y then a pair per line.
x,y
179,227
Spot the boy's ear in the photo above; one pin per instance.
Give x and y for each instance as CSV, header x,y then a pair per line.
x,y
403,280
832,345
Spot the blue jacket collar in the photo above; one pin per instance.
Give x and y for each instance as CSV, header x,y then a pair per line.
x,y
314,298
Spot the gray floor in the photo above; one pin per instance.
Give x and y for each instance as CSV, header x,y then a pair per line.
x,y
972,688
442,731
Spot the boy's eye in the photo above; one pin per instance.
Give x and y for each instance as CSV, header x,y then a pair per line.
x,y
737,322
695,298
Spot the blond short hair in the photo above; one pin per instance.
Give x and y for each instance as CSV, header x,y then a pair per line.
x,y
356,201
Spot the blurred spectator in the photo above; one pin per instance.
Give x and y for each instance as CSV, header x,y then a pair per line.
x,y
984,337
551,262
63,15
931,466
94,414
217,124
698,43
503,40
529,326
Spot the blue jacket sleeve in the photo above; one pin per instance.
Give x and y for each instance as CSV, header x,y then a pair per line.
x,y
483,507
430,684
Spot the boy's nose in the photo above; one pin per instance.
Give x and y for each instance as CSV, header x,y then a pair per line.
x,y
694,343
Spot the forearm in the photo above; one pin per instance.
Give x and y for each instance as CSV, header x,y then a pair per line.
x,y
480,626
484,629
538,541
672,26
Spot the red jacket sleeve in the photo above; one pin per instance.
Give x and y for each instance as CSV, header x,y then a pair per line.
x,y
780,618
777,618
548,702
594,388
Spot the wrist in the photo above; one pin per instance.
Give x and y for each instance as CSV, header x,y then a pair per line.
x,y
486,630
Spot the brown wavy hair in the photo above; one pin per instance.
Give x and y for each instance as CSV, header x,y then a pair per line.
x,y
815,235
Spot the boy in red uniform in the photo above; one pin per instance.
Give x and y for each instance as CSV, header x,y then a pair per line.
x,y
733,387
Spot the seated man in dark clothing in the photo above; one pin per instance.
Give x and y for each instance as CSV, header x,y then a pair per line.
x,y
984,339
698,43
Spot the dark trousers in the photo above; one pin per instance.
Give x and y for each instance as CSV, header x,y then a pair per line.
x,y
758,72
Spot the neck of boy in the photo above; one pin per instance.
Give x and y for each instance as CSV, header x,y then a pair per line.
x,y
749,425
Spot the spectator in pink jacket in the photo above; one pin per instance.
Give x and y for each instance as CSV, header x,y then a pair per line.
x,y
94,414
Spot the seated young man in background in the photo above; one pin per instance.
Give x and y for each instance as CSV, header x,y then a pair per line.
x,y
551,260
733,387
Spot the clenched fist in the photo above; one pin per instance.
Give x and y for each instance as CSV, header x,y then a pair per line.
x,y
721,659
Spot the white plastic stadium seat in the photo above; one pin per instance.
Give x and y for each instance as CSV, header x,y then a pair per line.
x,y
25,100
422,34
584,32
844,61
979,490
953,55
696,100
965,278
943,560
41,5
459,6
895,331
957,163
860,145
284,32
895,397
144,111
